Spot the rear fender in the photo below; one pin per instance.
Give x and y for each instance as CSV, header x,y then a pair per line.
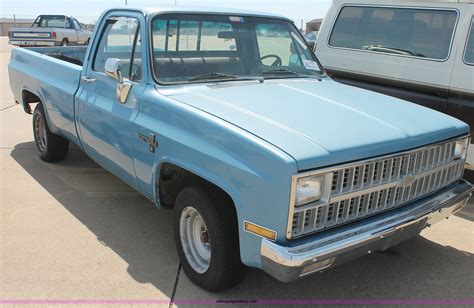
x,y
28,97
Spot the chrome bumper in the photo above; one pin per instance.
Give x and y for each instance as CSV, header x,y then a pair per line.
x,y
379,233
32,43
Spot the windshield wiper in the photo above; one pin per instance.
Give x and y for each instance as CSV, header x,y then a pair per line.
x,y
285,71
224,76
212,76
398,51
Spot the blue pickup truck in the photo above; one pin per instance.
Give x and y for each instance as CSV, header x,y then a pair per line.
x,y
227,118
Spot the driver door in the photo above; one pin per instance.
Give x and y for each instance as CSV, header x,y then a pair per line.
x,y
105,124
81,34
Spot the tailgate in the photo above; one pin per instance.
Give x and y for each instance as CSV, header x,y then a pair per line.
x,y
30,33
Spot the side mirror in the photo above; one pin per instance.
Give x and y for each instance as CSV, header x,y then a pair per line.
x,y
112,69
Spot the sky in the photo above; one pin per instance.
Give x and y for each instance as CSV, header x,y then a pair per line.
x,y
89,10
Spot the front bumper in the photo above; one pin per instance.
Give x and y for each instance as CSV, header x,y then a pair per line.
x,y
31,43
379,233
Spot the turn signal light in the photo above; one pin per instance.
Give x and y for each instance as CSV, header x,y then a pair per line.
x,y
261,231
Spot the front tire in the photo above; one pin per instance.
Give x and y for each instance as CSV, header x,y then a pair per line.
x,y
206,237
51,147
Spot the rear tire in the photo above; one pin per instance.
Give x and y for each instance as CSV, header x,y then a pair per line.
x,y
64,43
51,147
206,237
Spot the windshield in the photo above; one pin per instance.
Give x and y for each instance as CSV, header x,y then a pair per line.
x,y
198,48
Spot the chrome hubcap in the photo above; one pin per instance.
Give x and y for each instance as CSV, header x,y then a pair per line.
x,y
40,134
195,239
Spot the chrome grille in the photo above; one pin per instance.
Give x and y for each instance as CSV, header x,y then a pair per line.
x,y
361,189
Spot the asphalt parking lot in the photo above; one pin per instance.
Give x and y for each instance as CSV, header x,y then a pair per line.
x,y
74,232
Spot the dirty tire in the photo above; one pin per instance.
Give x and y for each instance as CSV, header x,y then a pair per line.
x,y
51,147
224,269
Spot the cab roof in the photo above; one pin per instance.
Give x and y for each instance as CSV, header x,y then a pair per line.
x,y
199,10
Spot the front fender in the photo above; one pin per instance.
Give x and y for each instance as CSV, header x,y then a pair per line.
x,y
255,174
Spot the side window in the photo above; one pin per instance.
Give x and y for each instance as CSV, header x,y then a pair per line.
x,y
137,64
68,24
425,33
121,40
469,53
77,26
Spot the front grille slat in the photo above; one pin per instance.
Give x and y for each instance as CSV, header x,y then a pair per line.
x,y
355,193
371,174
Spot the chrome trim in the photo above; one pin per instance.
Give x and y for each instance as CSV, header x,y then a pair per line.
x,y
399,7
329,171
287,263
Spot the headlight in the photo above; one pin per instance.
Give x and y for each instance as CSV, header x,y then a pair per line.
x,y
309,189
460,149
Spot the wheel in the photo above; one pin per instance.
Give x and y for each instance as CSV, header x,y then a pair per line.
x,y
206,237
64,43
51,147
88,42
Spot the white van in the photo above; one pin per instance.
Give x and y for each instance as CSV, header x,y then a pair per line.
x,y
420,51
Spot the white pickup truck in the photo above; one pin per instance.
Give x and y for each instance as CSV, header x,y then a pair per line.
x,y
50,30
419,51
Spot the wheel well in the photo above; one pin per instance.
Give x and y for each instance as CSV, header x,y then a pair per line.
x,y
29,98
173,178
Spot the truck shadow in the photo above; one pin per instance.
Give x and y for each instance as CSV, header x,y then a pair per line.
x,y
416,269
468,211
117,215
142,236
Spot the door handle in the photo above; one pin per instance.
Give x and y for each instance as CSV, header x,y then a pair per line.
x,y
87,79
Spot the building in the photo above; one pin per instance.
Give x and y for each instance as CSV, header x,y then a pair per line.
x,y
7,23
313,25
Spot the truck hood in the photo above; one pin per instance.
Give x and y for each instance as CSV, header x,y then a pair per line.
x,y
322,123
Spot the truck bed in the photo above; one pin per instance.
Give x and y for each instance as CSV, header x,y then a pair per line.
x,y
53,75
74,55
